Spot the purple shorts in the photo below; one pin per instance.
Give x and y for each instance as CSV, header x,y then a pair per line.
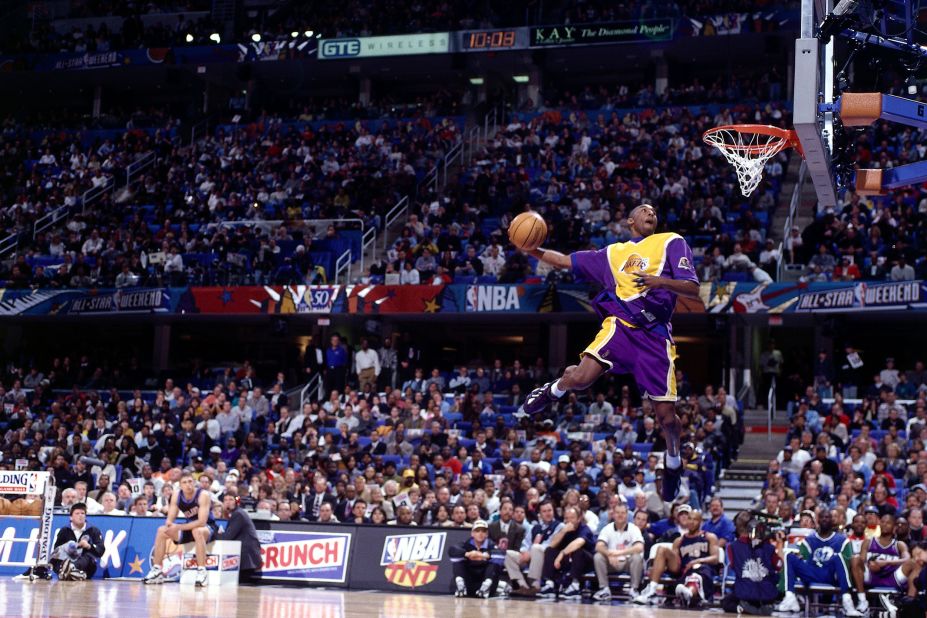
x,y
893,579
647,355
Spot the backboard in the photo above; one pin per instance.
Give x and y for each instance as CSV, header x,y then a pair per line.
x,y
814,84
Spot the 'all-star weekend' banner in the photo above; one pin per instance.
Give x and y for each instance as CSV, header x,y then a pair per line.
x,y
471,299
801,297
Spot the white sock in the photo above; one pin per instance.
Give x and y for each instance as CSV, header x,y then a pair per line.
x,y
651,588
673,461
555,391
861,596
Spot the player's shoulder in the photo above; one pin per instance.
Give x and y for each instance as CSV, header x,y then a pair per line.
x,y
666,237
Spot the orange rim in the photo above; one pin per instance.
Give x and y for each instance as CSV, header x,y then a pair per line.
x,y
789,137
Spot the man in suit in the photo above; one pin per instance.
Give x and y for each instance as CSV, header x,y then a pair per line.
x,y
345,508
241,528
313,501
78,547
376,446
509,536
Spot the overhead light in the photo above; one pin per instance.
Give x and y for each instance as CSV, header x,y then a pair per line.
x,y
189,38
318,36
521,79
477,81
294,34
309,33
256,37
215,38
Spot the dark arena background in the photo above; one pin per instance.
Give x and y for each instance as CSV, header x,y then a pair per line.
x,y
266,243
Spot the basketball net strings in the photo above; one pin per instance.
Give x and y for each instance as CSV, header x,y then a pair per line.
x,y
748,153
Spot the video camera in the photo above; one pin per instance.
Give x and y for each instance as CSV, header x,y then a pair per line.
x,y
764,527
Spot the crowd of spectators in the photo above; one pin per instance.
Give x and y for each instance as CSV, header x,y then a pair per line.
x,y
580,170
389,445
731,88
101,37
583,173
874,238
441,102
124,8
166,229
441,450
859,458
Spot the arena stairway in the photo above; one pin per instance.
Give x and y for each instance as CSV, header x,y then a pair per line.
x,y
741,484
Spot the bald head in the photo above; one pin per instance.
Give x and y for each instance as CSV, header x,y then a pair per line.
x,y
643,220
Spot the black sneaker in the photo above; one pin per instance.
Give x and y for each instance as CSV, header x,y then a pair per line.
x,y
539,400
672,478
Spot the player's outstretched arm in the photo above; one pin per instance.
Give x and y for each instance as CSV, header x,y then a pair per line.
x,y
554,258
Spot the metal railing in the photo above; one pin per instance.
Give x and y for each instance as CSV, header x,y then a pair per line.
x,y
201,127
137,167
89,197
491,121
368,234
343,264
368,239
472,142
430,181
789,220
401,208
313,386
452,156
771,407
92,195
9,244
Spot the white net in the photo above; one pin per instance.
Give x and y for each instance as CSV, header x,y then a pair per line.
x,y
747,151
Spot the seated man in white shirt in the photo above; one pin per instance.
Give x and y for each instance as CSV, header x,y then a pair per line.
x,y
619,549
109,504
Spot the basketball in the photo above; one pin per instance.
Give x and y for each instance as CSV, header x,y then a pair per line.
x,y
527,231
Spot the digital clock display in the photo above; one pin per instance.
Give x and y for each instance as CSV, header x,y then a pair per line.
x,y
490,39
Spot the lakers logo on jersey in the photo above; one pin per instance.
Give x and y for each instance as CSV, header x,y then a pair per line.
x,y
635,263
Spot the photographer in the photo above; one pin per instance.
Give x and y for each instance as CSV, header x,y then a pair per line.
x,y
78,547
755,564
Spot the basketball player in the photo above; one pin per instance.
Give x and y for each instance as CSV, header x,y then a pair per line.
x,y
878,564
694,557
822,559
641,280
196,505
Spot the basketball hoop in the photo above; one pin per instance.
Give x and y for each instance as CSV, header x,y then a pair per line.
x,y
748,147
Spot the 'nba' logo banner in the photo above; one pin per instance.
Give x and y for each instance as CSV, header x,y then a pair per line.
x,y
407,557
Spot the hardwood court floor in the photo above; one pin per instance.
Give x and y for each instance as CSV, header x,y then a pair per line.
x,y
121,599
